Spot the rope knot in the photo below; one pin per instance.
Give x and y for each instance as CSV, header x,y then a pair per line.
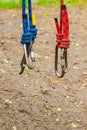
x,y
33,31
59,37
26,38
64,43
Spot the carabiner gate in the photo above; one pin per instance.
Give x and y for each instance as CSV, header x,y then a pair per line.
x,y
28,59
61,65
29,55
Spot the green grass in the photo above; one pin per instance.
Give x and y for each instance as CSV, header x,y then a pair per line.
x,y
17,3
57,2
10,4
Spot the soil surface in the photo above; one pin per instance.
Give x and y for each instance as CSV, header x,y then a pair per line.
x,y
37,99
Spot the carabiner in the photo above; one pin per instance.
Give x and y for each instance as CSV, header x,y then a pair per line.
x,y
62,62
28,59
29,55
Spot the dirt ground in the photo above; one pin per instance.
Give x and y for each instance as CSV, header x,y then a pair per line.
x,y
37,99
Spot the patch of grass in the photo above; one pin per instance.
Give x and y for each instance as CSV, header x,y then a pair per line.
x,y
57,2
10,4
47,2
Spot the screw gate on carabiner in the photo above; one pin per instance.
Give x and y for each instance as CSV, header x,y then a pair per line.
x,y
63,42
28,37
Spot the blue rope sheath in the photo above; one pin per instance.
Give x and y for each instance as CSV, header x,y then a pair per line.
x,y
23,7
30,13
29,30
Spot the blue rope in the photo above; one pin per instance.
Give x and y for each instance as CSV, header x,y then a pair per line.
x,y
29,30
30,13
23,7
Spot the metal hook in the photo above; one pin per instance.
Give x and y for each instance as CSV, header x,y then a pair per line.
x,y
63,62
28,56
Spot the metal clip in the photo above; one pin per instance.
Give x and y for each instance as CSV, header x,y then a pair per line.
x,y
28,59
61,66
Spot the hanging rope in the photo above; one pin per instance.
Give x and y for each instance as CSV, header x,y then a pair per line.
x,y
29,30
28,37
63,42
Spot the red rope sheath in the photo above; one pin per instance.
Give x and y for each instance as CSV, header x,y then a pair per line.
x,y
62,35
65,24
62,2
57,27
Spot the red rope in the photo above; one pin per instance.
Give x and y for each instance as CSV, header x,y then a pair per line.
x,y
62,35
